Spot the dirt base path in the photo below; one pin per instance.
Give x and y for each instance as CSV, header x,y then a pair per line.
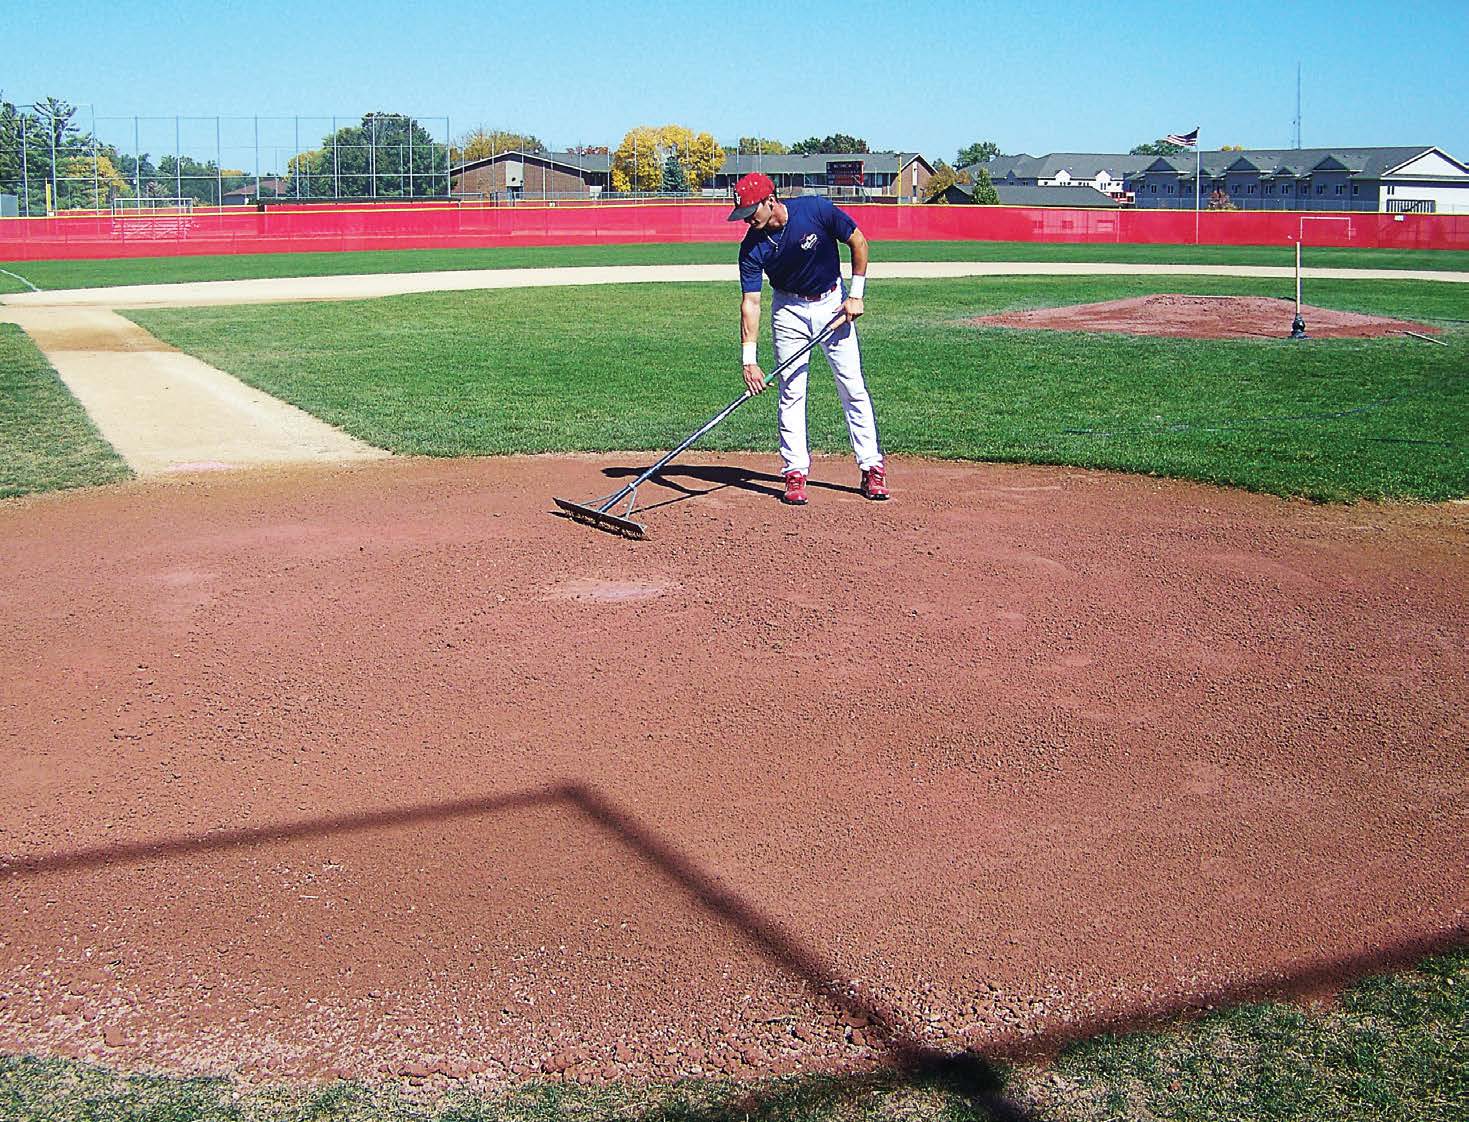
x,y
389,768
273,290
163,410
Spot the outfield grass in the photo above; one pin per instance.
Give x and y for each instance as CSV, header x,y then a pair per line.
x,y
1394,1047
166,270
638,367
47,441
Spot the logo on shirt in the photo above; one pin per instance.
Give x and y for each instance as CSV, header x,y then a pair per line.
x,y
809,241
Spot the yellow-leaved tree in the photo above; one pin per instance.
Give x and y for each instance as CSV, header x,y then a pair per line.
x,y
479,143
94,180
705,158
638,163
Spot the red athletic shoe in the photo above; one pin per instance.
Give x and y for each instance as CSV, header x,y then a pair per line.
x,y
874,484
795,489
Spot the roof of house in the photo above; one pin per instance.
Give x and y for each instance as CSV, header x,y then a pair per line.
x,y
1026,195
1366,163
1078,165
1053,196
1363,163
734,164
567,161
738,163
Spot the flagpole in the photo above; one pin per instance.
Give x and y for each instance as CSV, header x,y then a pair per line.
x,y
1198,181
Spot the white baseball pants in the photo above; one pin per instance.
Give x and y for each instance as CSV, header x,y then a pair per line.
x,y
794,322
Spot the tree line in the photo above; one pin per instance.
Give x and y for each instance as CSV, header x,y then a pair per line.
x,y
390,155
47,157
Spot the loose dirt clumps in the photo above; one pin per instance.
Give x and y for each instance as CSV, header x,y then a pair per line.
x,y
1201,317
387,770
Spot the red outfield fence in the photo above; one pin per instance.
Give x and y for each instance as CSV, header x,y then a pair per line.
x,y
425,225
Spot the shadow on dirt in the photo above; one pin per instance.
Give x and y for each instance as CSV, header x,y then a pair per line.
x,y
717,477
974,1078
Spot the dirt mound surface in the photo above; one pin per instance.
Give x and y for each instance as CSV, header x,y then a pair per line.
x,y
389,769
1201,317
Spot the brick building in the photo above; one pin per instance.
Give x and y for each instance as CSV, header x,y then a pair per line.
x,y
534,175
871,176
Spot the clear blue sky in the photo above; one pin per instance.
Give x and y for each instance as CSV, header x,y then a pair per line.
x,y
930,75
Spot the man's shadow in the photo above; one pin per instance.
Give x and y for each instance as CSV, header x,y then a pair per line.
x,y
684,480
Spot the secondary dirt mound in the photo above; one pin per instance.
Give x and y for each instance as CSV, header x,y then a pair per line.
x,y
389,769
1201,317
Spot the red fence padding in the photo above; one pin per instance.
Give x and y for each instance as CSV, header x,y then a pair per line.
x,y
91,235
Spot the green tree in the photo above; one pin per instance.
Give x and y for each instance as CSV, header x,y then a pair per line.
x,y
43,148
674,181
1159,147
977,153
185,177
984,190
54,117
387,156
840,142
10,166
762,145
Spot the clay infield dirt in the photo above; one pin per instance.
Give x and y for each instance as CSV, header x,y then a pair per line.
x,y
1203,317
385,767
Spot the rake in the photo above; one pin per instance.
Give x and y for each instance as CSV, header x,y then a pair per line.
x,y
599,513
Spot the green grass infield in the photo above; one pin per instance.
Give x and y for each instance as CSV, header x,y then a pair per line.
x,y
166,270
638,367
1391,1047
47,441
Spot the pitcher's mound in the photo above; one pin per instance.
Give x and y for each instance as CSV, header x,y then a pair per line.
x,y
1201,317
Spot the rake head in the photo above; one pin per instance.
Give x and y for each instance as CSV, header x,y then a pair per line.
x,y
603,519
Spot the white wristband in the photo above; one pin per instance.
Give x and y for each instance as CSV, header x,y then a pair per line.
x,y
859,282
747,353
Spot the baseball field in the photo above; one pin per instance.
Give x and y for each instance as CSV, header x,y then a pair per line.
x,y
1112,769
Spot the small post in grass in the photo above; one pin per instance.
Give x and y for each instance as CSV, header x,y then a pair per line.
x,y
1298,325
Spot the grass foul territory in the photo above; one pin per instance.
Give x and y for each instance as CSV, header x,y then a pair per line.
x,y
165,270
638,367
47,441
1392,1047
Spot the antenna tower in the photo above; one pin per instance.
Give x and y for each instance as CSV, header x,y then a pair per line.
x,y
1297,136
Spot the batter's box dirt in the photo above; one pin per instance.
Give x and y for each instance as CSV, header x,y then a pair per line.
x,y
1202,317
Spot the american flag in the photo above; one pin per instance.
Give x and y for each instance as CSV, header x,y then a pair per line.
x,y
1187,139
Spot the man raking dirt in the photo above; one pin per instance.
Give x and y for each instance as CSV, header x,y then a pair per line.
x,y
794,243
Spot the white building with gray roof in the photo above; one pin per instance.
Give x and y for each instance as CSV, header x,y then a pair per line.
x,y
1416,179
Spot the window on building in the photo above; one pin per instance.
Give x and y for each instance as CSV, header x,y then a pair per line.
x,y
1252,188
1170,188
1341,189
1153,187
1356,190
1320,188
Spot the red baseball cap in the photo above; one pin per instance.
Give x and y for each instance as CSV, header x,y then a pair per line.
x,y
750,192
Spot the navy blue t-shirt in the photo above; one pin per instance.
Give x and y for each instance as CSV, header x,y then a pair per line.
x,y
801,256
